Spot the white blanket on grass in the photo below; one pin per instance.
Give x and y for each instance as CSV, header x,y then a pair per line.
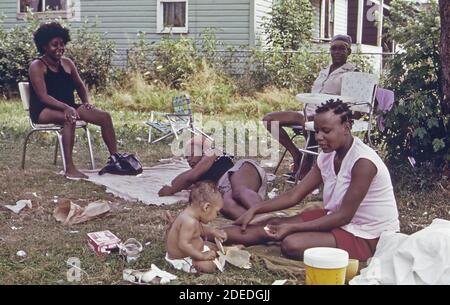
x,y
417,259
144,187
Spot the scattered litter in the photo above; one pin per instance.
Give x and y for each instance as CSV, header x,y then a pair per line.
x,y
70,213
316,192
148,243
270,177
103,242
127,208
15,228
154,275
273,193
425,214
279,282
19,206
130,249
235,256
35,195
21,253
412,161
266,228
219,245
55,200
72,264
74,232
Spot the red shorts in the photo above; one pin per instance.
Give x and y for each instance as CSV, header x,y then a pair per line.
x,y
357,247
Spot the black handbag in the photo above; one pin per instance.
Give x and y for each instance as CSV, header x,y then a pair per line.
x,y
122,164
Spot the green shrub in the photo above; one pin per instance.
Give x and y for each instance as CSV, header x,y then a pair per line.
x,y
17,50
416,126
90,51
290,24
93,55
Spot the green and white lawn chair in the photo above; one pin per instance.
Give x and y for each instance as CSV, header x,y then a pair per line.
x,y
173,124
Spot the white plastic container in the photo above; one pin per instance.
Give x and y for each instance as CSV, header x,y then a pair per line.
x,y
325,266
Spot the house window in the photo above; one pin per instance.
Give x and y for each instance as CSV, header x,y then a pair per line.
x,y
329,19
40,6
172,16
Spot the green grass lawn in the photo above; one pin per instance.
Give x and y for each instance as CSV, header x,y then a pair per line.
x,y
49,244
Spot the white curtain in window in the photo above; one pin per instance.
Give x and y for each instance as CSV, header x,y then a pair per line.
x,y
174,14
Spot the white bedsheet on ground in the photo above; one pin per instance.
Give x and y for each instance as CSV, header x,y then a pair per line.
x,y
144,187
417,259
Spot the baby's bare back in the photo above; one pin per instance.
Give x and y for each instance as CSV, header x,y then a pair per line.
x,y
186,223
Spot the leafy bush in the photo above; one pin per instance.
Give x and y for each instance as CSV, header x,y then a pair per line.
x,y
93,55
290,24
295,70
90,51
17,50
415,126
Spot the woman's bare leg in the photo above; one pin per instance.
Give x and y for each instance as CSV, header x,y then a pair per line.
x,y
294,245
102,119
285,118
255,234
245,184
51,116
231,209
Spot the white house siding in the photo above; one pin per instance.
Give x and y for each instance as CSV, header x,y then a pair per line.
x,y
262,9
316,24
340,22
123,19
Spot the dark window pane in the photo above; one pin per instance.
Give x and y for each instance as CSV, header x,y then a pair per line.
x,y
55,5
174,14
34,5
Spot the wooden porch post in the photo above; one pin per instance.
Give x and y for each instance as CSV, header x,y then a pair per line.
x,y
380,23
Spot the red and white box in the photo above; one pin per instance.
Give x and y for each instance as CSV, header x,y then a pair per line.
x,y
103,242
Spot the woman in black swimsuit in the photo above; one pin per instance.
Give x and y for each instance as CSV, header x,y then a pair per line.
x,y
53,79
242,185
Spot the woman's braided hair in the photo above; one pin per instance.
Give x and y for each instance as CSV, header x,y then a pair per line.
x,y
338,107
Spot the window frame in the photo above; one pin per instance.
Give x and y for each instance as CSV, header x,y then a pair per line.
x,y
68,13
160,29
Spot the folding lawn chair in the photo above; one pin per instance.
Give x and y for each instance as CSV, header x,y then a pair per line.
x,y
24,90
172,124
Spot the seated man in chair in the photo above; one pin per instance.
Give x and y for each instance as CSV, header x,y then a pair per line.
x,y
328,82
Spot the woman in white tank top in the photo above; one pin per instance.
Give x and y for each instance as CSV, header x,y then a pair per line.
x,y
359,202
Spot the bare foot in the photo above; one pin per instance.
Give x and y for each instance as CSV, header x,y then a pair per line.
x,y
74,173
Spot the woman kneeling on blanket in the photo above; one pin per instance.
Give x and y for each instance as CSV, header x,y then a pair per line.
x,y
242,185
359,202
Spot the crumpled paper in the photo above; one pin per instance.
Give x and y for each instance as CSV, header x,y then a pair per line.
x,y
154,275
233,255
19,206
70,213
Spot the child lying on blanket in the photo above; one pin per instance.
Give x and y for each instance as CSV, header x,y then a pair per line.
x,y
186,250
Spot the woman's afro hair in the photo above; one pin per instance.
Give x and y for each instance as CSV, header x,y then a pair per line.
x,y
46,32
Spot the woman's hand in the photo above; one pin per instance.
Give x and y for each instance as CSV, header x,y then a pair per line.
x,y
278,231
71,115
166,190
245,219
